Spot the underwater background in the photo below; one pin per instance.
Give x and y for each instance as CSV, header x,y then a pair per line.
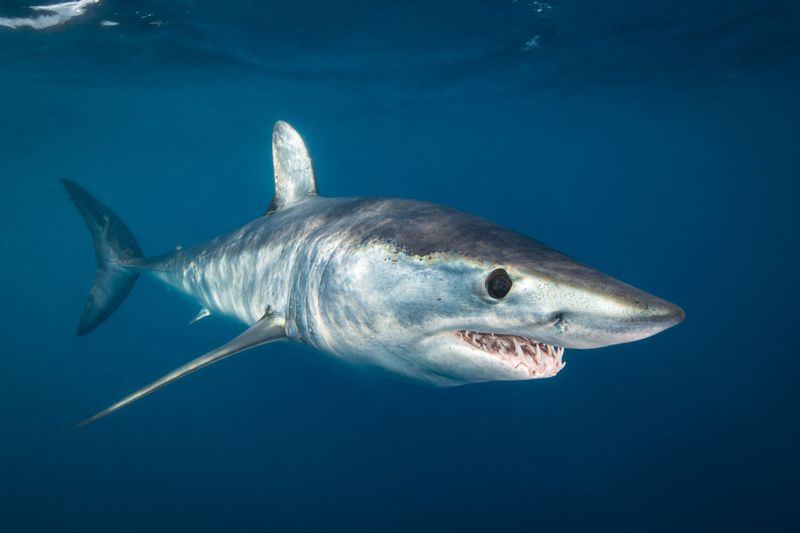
x,y
657,141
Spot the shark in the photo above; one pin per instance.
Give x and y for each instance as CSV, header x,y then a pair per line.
x,y
420,291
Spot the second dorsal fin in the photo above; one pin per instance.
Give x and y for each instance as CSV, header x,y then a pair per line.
x,y
294,172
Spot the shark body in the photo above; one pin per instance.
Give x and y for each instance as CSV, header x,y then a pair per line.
x,y
421,291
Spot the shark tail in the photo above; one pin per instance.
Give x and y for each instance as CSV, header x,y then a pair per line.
x,y
115,248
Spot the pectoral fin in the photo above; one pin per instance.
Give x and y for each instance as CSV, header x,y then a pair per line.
x,y
268,329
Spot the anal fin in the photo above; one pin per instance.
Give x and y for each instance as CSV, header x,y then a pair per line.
x,y
269,328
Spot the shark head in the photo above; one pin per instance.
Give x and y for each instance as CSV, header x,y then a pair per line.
x,y
444,297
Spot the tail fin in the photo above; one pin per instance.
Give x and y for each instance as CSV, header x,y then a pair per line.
x,y
114,246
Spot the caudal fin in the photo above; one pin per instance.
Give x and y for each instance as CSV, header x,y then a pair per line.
x,y
115,247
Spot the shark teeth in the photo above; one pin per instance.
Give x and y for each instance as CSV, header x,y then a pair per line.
x,y
540,360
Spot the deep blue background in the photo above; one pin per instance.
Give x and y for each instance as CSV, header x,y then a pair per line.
x,y
657,142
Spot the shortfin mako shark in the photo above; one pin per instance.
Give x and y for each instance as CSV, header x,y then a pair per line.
x,y
421,291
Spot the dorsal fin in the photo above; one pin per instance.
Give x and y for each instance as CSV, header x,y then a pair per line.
x,y
294,172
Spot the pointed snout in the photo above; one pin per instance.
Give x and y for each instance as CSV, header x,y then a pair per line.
x,y
652,315
663,314
615,317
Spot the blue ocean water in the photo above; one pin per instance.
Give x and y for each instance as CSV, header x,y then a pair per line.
x,y
656,141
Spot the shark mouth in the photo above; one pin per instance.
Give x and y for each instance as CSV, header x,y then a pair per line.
x,y
539,359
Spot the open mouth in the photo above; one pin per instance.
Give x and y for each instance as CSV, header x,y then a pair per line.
x,y
539,359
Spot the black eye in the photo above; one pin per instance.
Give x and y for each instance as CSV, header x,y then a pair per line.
x,y
498,284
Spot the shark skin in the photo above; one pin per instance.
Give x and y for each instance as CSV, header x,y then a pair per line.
x,y
420,291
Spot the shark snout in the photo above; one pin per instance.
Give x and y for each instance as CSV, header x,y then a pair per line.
x,y
615,318
660,314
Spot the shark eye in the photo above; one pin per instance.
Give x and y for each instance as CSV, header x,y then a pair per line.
x,y
498,283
